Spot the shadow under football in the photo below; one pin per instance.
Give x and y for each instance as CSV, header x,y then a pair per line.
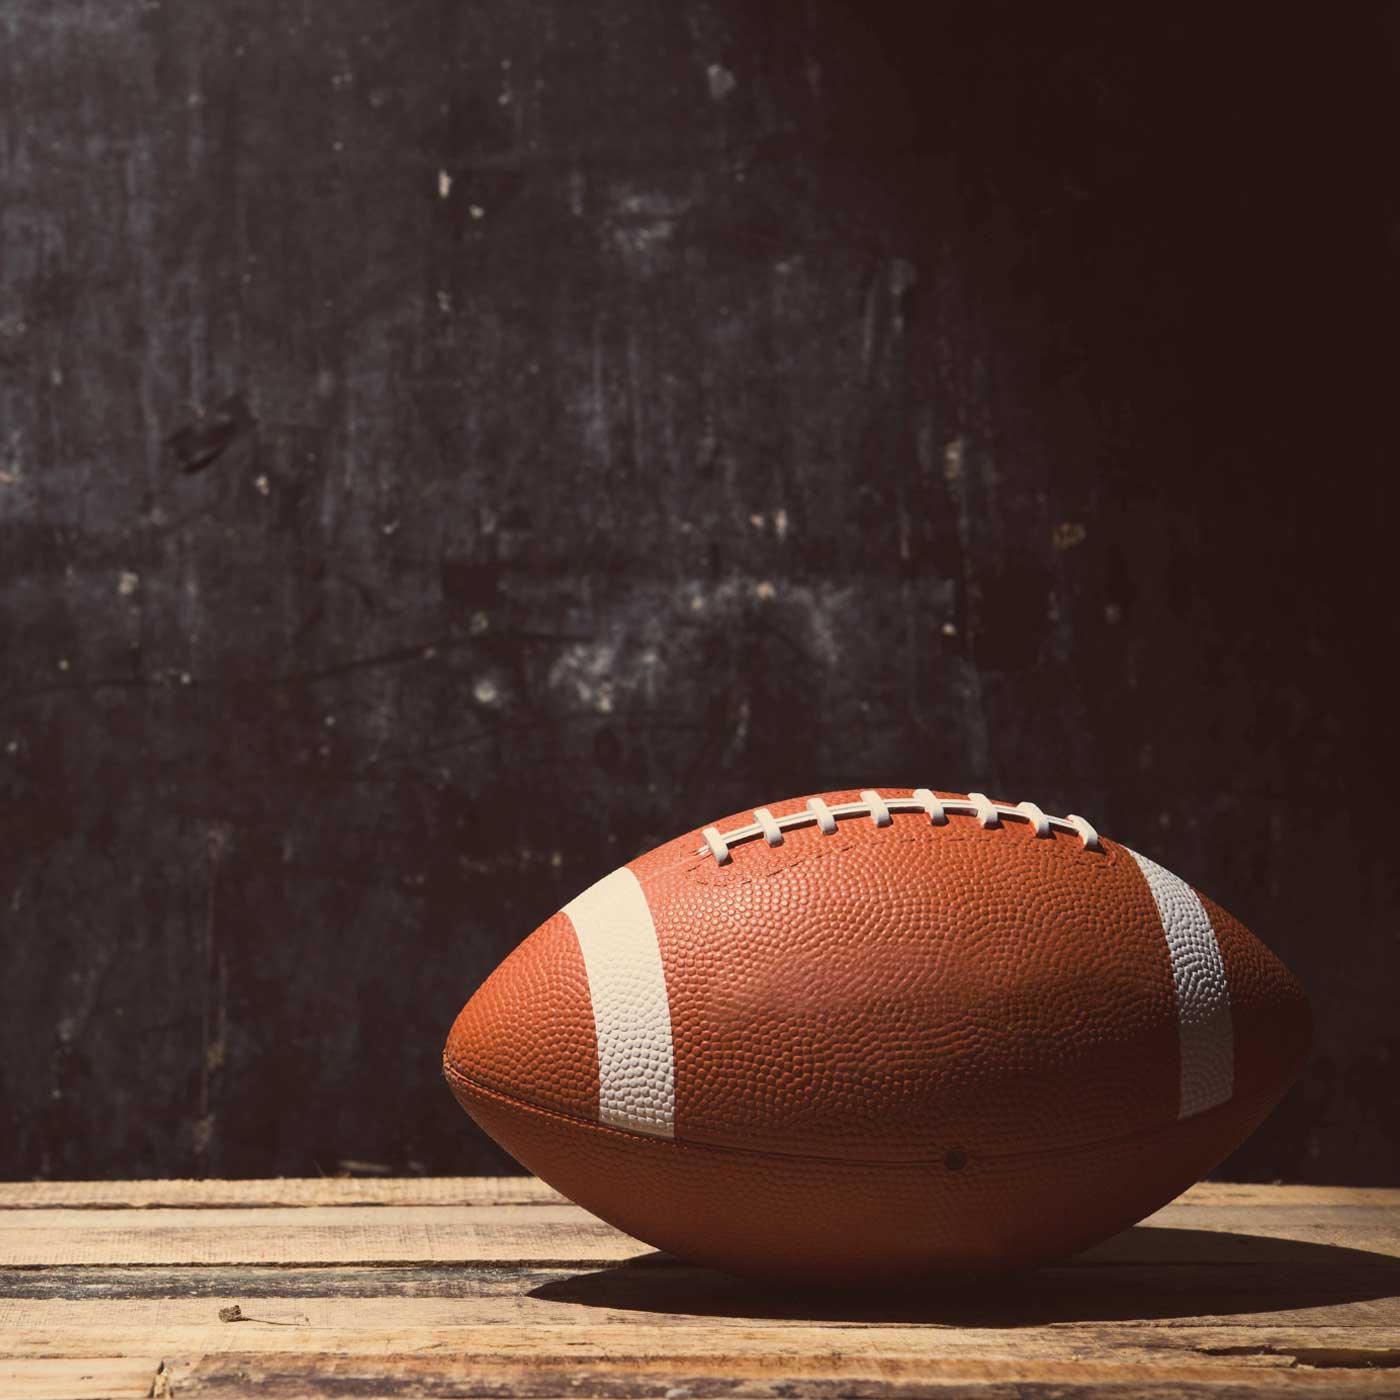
x,y
1146,1272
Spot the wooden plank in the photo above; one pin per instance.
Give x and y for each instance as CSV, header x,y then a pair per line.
x,y
1243,1292
315,1235
510,1190
411,1374
1056,1292
1232,1193
83,1378
1148,1295
1207,1233
282,1191
545,1232
743,1346
558,1304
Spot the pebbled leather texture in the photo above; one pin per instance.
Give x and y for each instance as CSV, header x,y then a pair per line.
x,y
891,1049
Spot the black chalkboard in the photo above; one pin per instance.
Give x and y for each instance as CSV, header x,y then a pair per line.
x,y
447,448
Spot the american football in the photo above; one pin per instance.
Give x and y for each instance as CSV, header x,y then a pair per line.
x,y
880,1034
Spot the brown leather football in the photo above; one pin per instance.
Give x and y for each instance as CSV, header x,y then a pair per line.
x,y
880,1034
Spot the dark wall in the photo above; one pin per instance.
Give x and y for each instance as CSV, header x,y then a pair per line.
x,y
447,448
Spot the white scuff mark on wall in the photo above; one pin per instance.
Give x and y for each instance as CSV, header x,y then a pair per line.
x,y
740,737
13,471
641,239
722,82
587,669
627,668
816,615
953,461
902,275
824,609
263,485
780,523
485,692
444,184
128,583
648,668
644,220
476,211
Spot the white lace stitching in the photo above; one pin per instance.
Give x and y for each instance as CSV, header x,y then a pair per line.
x,y
817,813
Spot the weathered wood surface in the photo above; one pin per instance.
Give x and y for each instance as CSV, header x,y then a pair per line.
x,y
284,1191
497,1287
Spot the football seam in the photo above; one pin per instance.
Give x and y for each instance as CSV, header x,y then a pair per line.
x,y
703,865
880,808
1235,1102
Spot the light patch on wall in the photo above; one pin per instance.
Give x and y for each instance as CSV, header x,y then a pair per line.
x,y
644,221
586,669
722,81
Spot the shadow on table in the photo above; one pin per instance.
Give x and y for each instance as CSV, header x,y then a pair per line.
x,y
1147,1272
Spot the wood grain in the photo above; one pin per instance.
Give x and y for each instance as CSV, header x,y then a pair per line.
x,y
489,1288
317,1234
192,1194
510,1190
1128,1301
77,1378
218,1378
538,1227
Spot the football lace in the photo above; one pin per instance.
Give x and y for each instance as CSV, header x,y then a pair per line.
x,y
938,809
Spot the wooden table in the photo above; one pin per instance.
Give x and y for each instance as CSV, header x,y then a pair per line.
x,y
498,1287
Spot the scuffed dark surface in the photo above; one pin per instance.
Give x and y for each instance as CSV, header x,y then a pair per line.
x,y
448,448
